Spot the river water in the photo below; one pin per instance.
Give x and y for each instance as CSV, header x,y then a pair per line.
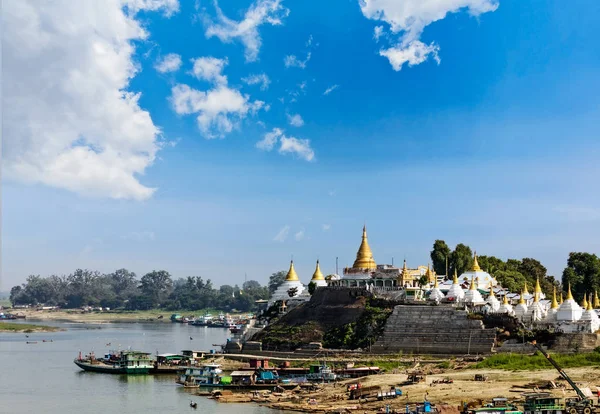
x,y
43,378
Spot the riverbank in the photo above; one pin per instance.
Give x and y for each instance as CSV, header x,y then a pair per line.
x,y
26,328
79,316
333,397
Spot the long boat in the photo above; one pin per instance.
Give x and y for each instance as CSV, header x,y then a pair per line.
x,y
125,362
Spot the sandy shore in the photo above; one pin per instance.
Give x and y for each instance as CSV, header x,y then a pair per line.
x,y
333,397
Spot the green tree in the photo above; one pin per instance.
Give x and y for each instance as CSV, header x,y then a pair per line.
x,y
461,259
510,279
312,286
276,279
156,286
491,264
583,273
251,284
439,255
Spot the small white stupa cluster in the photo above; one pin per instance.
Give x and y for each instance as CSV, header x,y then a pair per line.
x,y
292,284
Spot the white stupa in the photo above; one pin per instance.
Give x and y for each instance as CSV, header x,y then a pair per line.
x,y
521,308
318,278
456,292
506,307
590,315
473,297
536,310
569,310
435,293
291,281
492,300
484,278
551,315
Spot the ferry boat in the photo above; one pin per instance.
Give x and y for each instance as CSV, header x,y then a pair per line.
x,y
124,362
204,375
205,320
320,373
544,403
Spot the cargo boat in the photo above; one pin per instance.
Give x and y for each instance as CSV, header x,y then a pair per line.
x,y
125,362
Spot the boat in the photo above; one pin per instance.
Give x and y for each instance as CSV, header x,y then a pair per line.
x,y
499,405
546,403
124,362
205,320
235,329
320,373
204,375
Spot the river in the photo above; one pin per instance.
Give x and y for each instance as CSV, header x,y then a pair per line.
x,y
42,377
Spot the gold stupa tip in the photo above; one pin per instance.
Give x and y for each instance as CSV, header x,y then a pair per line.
x,y
590,307
292,276
492,294
596,300
561,298
522,298
525,291
569,294
554,302
505,300
584,303
364,256
475,267
318,275
538,288
455,280
472,287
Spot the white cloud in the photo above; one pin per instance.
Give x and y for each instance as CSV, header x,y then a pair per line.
x,y
295,120
326,227
209,69
260,78
331,193
377,33
299,235
269,140
140,236
330,89
170,63
409,18
219,109
72,123
287,145
300,147
259,13
169,7
282,235
291,61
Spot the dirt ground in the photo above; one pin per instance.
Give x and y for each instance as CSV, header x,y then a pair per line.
x,y
333,397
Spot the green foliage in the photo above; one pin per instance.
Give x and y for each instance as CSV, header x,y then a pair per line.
x,y
276,279
312,286
439,254
518,362
583,273
461,259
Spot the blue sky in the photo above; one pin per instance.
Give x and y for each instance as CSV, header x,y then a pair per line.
x,y
475,124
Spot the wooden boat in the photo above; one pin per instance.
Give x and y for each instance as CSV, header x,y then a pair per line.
x,y
125,362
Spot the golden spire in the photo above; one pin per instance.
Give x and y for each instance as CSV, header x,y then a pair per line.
x,y
538,288
364,256
584,303
505,300
472,287
318,275
554,302
292,276
561,298
525,291
475,267
492,294
589,306
569,294
596,300
455,280
536,297
435,283
522,298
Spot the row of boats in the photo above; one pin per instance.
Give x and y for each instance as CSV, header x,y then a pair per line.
x,y
221,321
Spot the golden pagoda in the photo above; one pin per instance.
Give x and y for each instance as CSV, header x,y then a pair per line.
x,y
455,280
522,298
492,294
476,267
505,300
429,274
554,302
589,306
538,288
569,294
435,284
584,303
561,298
364,256
292,276
525,291
472,286
318,275
596,300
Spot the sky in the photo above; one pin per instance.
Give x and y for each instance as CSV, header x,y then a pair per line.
x,y
221,139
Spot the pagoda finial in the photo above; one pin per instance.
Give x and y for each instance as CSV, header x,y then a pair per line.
x,y
561,298
525,291
455,280
492,294
475,267
318,275
554,302
584,302
435,283
596,300
522,298
538,288
292,276
505,300
364,256
590,307
472,287
569,294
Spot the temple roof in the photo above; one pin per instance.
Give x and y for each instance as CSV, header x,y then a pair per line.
x,y
364,256
292,275
318,275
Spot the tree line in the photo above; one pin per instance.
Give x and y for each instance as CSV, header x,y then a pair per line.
x,y
582,271
122,289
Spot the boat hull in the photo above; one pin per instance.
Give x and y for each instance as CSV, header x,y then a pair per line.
x,y
108,369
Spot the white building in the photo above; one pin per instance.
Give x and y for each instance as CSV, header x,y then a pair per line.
x,y
291,282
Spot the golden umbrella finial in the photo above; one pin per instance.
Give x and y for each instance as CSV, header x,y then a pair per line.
x,y
475,267
472,287
522,298
292,276
455,280
492,294
584,302
596,300
569,294
525,291
318,275
505,300
538,288
554,302
589,306
561,298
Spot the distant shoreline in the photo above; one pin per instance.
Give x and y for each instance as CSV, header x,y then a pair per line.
x,y
26,328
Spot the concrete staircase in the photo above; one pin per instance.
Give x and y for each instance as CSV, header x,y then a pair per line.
x,y
424,329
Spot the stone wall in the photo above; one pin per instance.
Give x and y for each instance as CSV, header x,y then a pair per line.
x,y
424,329
575,342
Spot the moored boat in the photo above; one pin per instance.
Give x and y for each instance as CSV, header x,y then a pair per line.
x,y
125,362
204,375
